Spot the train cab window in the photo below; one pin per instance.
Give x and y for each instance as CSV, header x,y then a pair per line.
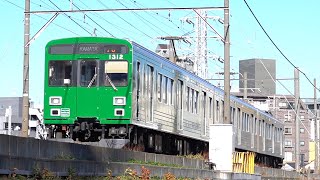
x,y
116,73
88,73
62,73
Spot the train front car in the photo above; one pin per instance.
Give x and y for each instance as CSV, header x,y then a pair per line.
x,y
88,88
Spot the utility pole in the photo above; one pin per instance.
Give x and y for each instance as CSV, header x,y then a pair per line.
x,y
226,118
25,95
297,109
316,154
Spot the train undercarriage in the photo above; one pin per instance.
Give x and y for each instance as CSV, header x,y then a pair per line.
x,y
129,137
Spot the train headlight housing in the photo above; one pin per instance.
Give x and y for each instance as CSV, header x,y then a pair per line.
x,y
118,112
55,112
119,100
55,100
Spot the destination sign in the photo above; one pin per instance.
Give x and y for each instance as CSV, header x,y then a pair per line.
x,y
89,49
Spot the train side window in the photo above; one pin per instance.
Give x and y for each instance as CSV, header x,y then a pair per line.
x,y
192,100
222,110
243,121
170,91
179,94
187,98
252,127
239,118
204,106
159,82
248,123
196,99
257,125
210,107
164,89
260,127
232,112
217,111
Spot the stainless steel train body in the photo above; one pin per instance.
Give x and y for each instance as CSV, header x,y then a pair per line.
x,y
168,98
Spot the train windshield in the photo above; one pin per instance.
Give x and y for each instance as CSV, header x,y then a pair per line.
x,y
62,73
116,73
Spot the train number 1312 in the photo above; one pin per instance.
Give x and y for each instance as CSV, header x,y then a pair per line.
x,y
115,56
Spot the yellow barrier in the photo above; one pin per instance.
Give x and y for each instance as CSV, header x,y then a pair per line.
x,y
243,162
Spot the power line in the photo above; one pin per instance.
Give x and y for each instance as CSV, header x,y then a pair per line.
x,y
141,18
43,18
277,46
136,4
70,18
94,21
125,20
121,29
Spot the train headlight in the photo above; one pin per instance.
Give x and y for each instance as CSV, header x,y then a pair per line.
x,y
55,100
119,100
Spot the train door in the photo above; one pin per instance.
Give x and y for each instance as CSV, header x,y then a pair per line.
x,y
149,93
179,105
87,95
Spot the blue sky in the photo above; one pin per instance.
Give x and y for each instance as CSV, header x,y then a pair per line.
x,y
291,24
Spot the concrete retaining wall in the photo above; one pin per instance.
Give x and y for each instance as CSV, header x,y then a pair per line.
x,y
24,155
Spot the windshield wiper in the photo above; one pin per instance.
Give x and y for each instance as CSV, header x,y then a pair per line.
x,y
114,87
92,80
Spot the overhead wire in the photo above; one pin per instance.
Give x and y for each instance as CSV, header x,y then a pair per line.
x,y
121,29
44,18
125,20
94,21
143,19
137,4
70,18
286,97
278,47
289,62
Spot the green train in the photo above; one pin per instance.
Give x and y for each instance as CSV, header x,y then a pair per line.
x,y
118,92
